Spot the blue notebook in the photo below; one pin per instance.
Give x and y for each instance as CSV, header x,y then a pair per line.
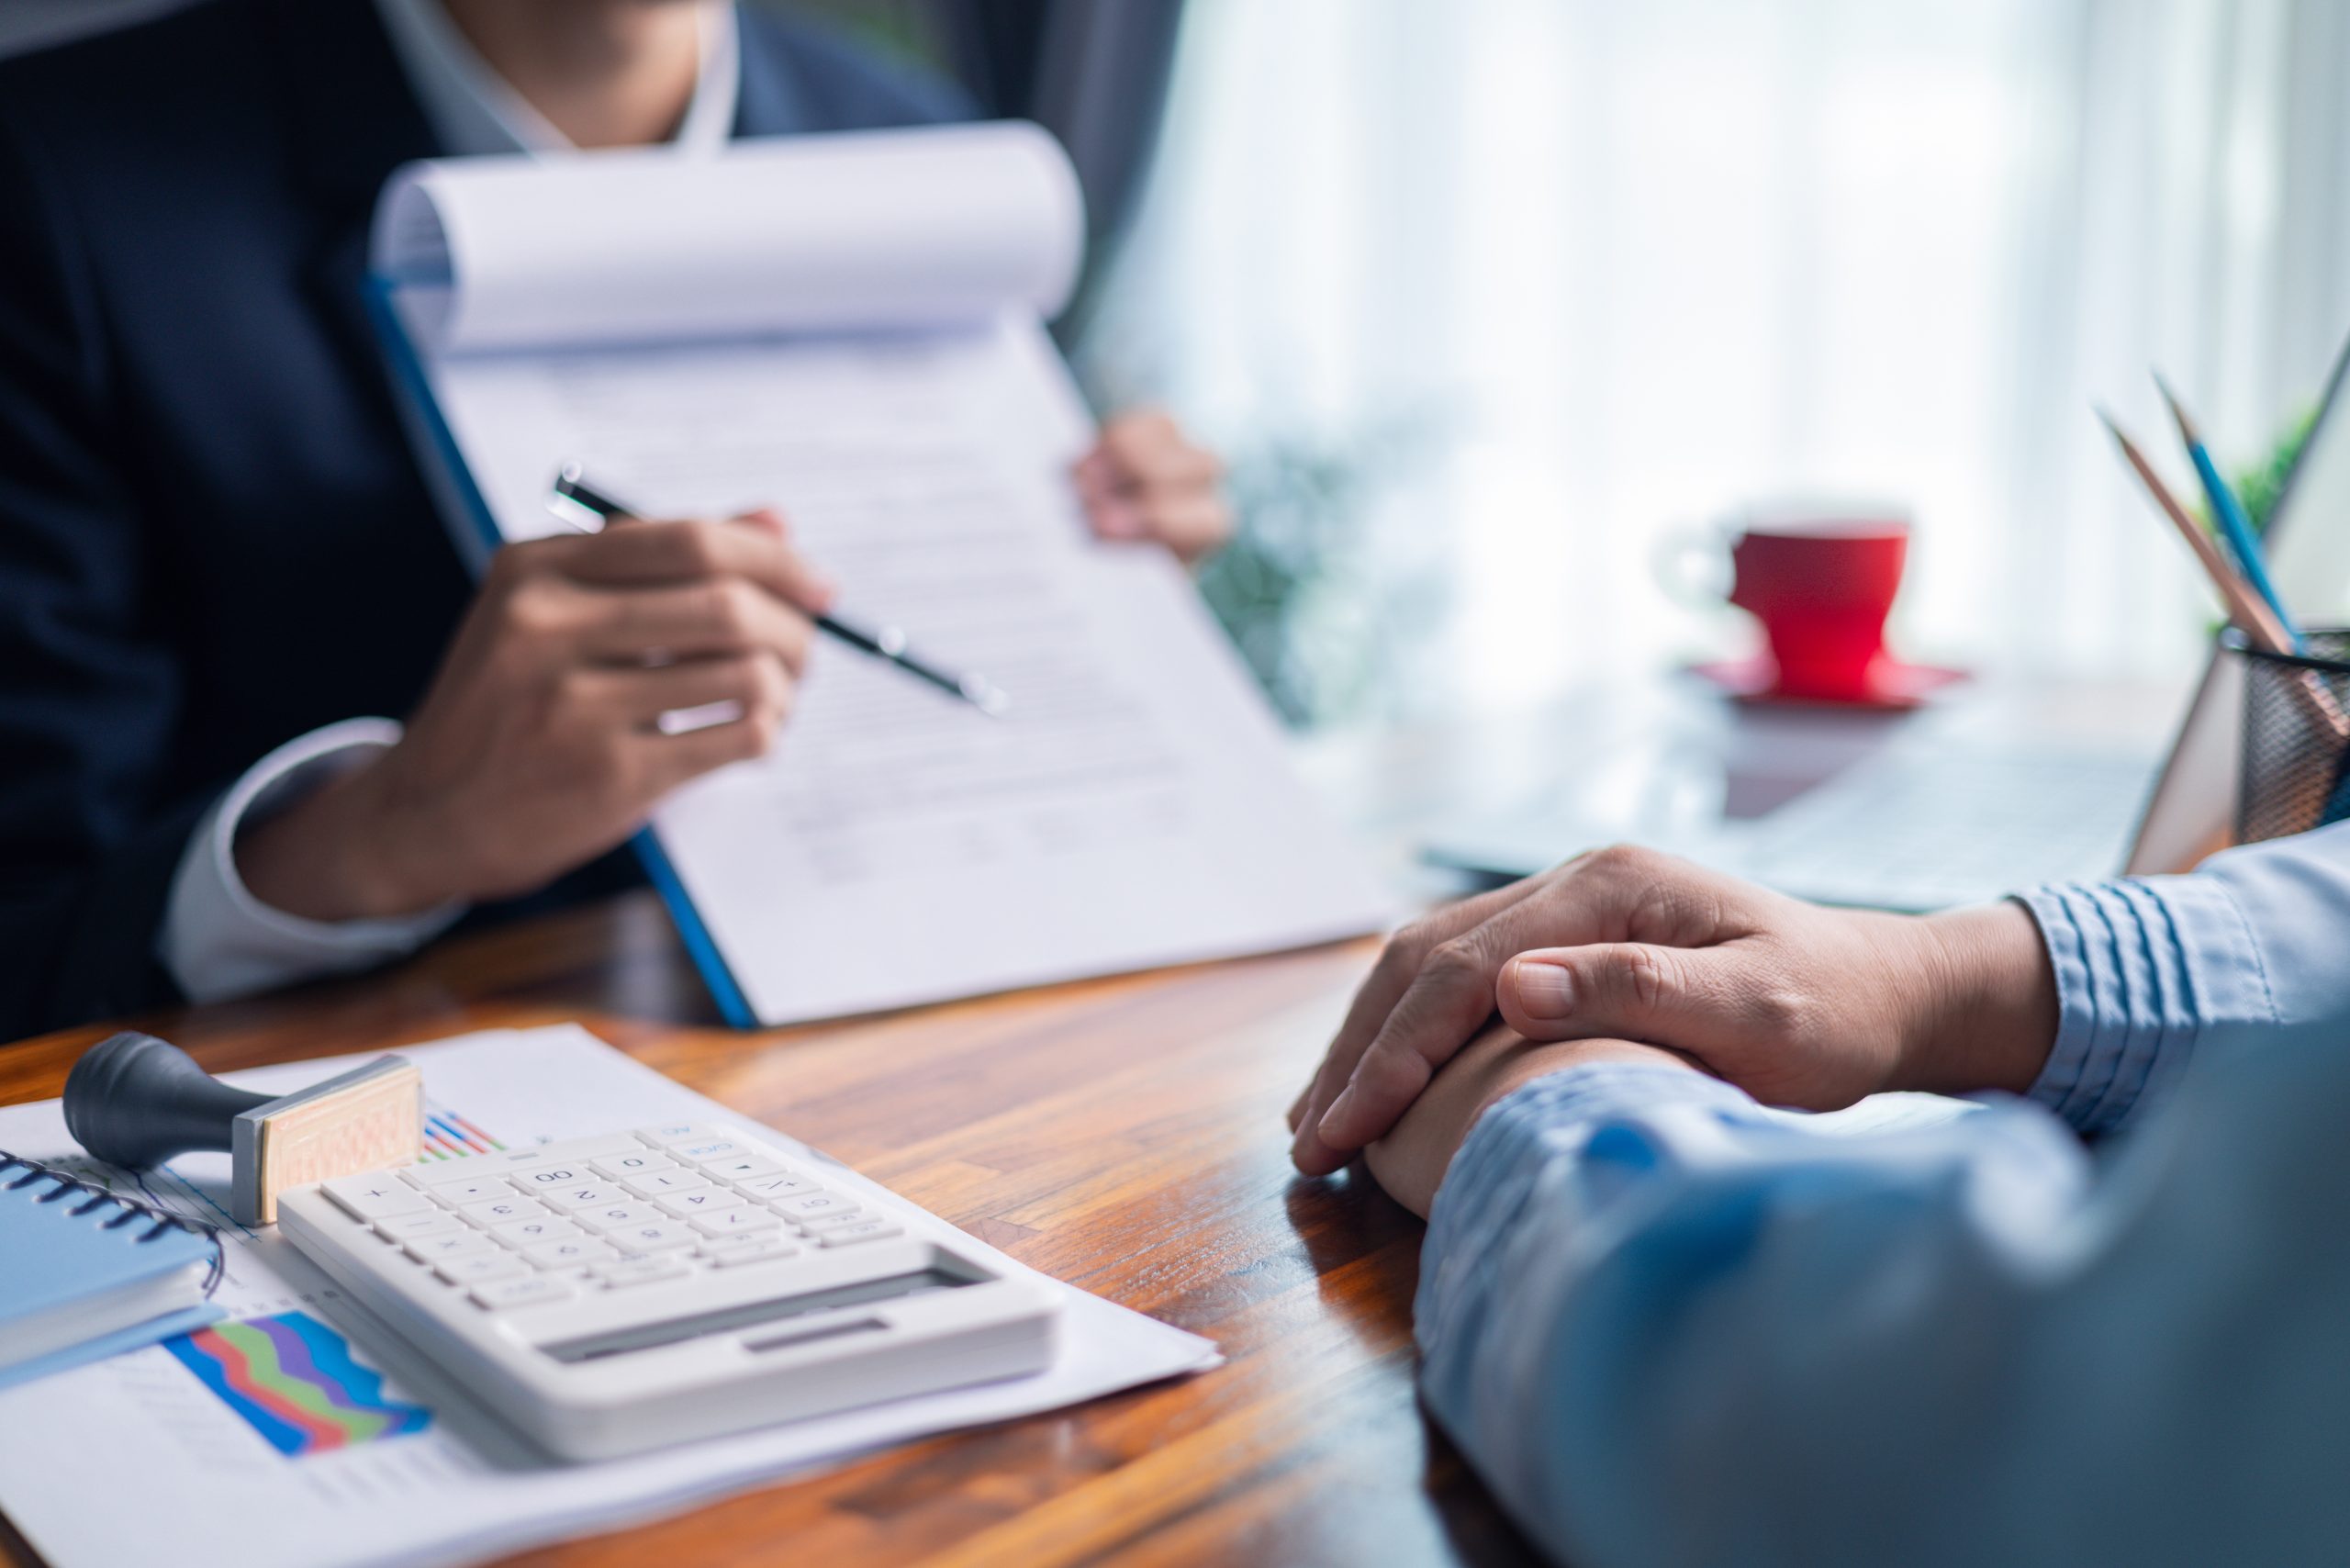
x,y
90,1274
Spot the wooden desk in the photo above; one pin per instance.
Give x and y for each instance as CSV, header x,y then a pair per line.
x,y
1124,1136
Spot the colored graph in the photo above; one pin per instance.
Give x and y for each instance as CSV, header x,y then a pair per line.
x,y
448,1135
294,1381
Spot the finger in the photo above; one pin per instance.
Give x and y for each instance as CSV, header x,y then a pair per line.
x,y
1444,1007
640,696
690,621
641,553
1150,449
1684,998
1593,898
1116,518
1191,527
1169,470
1618,894
1398,963
1400,967
671,760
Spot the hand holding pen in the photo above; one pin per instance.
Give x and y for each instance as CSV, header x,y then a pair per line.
x,y
574,498
545,739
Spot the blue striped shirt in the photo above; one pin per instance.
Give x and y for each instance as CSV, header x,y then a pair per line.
x,y
1671,1326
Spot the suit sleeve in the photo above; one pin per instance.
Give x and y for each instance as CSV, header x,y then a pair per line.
x,y
90,686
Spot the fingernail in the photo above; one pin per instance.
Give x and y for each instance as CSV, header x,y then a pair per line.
x,y
1335,1116
1544,990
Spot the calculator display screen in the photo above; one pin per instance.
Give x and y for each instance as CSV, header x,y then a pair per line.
x,y
751,1315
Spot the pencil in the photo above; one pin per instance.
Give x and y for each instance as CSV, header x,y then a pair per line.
x,y
2228,514
2256,619
884,643
2259,625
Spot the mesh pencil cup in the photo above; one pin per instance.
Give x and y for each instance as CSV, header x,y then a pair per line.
x,y
2296,749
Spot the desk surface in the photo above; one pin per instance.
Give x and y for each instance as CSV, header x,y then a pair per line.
x,y
1122,1134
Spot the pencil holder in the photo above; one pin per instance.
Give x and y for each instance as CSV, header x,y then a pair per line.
x,y
2296,757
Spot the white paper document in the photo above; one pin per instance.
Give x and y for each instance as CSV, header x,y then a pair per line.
x,y
847,327
150,1458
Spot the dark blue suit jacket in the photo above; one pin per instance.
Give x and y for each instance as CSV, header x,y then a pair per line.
x,y
213,537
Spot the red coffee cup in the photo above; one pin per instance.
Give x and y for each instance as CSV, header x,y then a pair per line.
x,y
1822,581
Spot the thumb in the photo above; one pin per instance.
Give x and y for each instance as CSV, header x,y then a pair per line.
x,y
1666,996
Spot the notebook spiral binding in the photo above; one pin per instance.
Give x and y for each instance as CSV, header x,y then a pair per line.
x,y
32,1171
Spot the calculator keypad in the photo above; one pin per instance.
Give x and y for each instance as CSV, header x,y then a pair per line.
x,y
576,1196
620,1167
525,1233
606,1213
572,1253
501,1211
659,1182
423,1222
709,1200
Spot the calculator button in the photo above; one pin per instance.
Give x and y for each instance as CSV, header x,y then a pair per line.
x,y
531,1290
556,1173
448,1244
680,1132
734,1222
801,1205
654,1184
709,1200
473,1189
376,1196
577,1196
659,1237
616,1166
613,1216
736,1167
570,1254
708,1149
500,1211
441,1172
530,1232
423,1222
864,1230
747,1250
832,1218
639,1271
478,1267
782,1184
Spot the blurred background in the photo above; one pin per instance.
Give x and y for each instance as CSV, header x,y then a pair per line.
x,y
1488,301
1519,288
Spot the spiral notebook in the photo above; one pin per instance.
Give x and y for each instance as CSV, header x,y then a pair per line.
x,y
90,1274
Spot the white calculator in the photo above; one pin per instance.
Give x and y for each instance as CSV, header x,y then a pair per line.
x,y
611,1295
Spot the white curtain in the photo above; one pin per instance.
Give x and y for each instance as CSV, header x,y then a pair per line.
x,y
1625,266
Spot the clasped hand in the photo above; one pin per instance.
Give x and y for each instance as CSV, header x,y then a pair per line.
x,y
1799,1006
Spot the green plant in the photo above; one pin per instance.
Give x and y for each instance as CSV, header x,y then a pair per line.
x,y
1320,615
2258,488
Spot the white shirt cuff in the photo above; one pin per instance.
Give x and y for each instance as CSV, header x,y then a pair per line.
x,y
218,941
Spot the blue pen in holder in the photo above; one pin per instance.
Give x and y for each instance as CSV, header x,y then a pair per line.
x,y
2296,756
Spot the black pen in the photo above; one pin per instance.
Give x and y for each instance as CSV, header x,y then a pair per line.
x,y
884,643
